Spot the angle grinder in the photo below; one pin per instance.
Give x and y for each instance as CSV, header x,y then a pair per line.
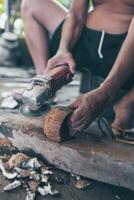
x,y
42,89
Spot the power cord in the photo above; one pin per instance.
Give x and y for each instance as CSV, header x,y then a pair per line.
x,y
102,121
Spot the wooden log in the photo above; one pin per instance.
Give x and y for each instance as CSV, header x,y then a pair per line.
x,y
87,155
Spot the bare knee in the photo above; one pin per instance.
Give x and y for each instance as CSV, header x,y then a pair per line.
x,y
27,8
42,11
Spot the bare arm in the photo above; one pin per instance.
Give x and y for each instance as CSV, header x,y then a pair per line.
x,y
71,31
124,65
91,104
73,24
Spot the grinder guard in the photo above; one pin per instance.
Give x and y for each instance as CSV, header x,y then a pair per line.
x,y
42,88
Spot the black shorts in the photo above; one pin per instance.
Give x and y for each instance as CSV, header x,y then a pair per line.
x,y
95,50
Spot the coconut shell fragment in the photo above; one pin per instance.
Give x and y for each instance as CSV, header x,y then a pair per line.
x,y
5,142
56,126
33,185
82,183
16,160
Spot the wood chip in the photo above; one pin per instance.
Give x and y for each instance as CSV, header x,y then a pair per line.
x,y
5,142
82,183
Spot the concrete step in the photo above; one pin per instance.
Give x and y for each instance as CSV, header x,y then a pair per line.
x,y
88,155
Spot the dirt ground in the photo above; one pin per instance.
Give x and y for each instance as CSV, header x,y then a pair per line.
x,y
96,191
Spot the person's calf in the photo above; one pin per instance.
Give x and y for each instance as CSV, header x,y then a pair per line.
x,y
123,116
124,111
36,36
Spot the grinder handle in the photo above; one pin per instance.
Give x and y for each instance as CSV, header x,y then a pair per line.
x,y
61,75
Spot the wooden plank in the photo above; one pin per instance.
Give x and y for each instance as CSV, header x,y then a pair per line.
x,y
86,155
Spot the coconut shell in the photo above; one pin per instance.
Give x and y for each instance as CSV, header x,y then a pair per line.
x,y
56,126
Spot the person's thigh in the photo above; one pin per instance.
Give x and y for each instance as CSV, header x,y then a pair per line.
x,y
49,13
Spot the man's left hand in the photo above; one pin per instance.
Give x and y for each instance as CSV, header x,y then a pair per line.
x,y
86,108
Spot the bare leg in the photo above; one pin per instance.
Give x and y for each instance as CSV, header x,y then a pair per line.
x,y
40,16
124,110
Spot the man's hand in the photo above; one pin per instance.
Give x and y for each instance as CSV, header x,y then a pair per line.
x,y
61,58
86,108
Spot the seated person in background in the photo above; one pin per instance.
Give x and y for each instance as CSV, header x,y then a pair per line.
x,y
101,40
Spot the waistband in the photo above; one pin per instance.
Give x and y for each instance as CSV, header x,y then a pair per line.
x,y
97,32
102,35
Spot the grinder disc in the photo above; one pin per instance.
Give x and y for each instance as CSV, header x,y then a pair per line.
x,y
26,111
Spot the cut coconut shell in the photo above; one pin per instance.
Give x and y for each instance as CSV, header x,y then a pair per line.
x,y
56,125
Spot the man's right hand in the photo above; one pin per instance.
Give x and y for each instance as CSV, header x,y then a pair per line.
x,y
61,58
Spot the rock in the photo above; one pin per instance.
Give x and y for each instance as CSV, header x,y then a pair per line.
x,y
9,102
117,197
9,49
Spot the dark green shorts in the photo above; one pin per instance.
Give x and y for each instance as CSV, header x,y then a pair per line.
x,y
95,50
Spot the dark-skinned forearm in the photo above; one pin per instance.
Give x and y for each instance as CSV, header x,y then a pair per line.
x,y
71,32
123,67
73,24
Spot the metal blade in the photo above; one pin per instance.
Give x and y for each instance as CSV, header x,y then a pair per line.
x,y
26,111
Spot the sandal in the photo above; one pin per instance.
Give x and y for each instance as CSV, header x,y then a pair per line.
x,y
114,132
123,135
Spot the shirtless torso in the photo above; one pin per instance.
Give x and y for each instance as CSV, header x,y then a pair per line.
x,y
113,16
